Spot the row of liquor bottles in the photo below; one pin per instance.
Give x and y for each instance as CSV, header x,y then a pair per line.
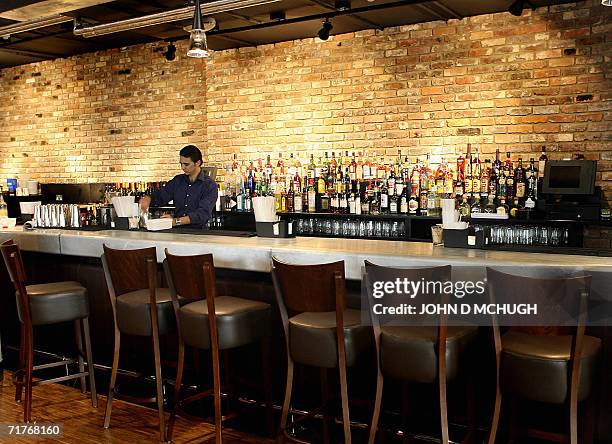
x,y
400,189
471,173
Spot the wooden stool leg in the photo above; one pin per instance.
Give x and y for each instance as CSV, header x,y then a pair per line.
x,y
21,367
325,402
377,406
217,389
79,343
177,386
405,438
344,396
495,417
158,380
113,380
513,420
287,401
90,364
29,358
267,383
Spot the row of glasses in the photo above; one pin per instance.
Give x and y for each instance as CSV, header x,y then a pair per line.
x,y
528,235
350,227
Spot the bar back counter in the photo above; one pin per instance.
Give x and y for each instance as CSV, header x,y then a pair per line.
x,y
243,269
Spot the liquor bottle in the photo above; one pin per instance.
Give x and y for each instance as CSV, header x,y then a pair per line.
x,y
353,168
381,172
357,198
542,164
290,200
334,205
351,203
359,169
393,203
478,207
532,180
460,167
502,208
375,200
367,172
509,173
413,204
269,168
312,197
298,198
384,198
423,202
485,178
365,202
520,182
280,166
514,208
464,208
312,167
490,206
342,203
476,171
404,201
431,202
497,165
332,165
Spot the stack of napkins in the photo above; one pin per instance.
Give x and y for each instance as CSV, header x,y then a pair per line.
x,y
164,223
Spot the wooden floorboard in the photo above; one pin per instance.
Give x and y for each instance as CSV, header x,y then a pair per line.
x,y
82,423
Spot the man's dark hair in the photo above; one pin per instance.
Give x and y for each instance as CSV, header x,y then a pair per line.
x,y
191,151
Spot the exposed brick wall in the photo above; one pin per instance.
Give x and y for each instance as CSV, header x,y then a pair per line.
x,y
495,81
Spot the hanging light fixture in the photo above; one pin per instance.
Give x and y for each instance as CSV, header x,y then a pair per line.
x,y
606,2
197,40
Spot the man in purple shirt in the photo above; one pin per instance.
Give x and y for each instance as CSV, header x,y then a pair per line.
x,y
194,193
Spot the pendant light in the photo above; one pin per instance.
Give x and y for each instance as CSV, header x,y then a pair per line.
x,y
197,40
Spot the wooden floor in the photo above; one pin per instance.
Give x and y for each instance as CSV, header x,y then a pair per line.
x,y
83,424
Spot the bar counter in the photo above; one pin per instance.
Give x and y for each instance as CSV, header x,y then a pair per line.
x,y
243,265
254,253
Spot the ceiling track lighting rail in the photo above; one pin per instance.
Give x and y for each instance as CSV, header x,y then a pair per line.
x,y
42,22
322,16
167,17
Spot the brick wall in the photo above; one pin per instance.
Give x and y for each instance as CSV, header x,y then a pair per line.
x,y
516,83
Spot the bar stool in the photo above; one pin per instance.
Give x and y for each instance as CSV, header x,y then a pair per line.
x,y
548,363
45,304
207,321
319,330
410,353
140,308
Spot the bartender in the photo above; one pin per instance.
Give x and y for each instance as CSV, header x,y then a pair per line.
x,y
194,193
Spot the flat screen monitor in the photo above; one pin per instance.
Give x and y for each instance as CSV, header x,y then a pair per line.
x,y
569,177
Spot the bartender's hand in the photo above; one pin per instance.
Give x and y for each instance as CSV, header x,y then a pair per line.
x,y
145,201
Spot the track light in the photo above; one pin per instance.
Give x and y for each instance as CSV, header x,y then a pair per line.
x,y
170,53
197,40
325,30
516,8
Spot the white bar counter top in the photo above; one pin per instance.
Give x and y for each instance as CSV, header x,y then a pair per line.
x,y
254,253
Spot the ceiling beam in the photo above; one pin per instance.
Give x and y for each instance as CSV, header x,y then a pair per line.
x,y
9,5
36,54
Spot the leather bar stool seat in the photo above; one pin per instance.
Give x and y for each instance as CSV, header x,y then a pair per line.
x,y
239,322
56,302
536,367
312,338
134,314
411,353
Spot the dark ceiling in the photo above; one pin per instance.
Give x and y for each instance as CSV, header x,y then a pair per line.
x,y
240,27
